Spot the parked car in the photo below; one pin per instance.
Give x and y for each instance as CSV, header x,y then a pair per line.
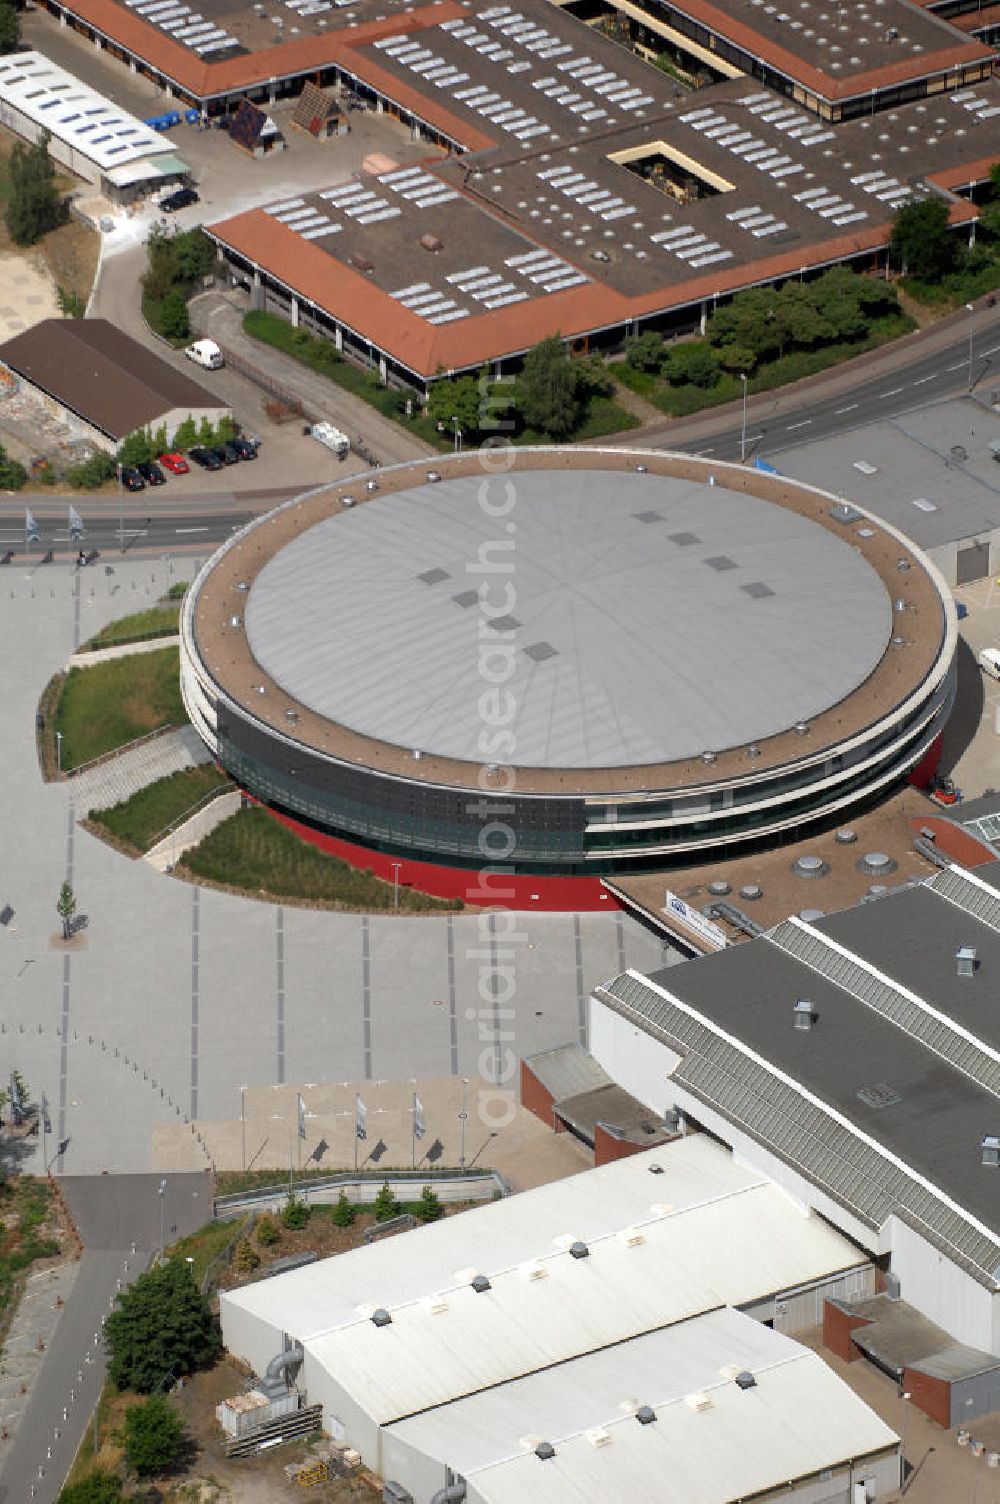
x,y
245,448
131,479
174,462
151,473
206,458
227,452
205,353
989,662
181,198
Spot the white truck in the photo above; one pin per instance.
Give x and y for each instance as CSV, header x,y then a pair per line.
x,y
333,438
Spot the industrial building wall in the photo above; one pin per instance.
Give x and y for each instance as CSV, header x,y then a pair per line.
x,y
59,151
642,1065
248,1337
942,1291
404,1463
343,1418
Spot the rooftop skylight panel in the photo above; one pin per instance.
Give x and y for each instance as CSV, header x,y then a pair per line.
x,y
769,229
449,318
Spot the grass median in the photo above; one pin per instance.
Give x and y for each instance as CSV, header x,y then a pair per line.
x,y
157,621
110,704
138,823
254,853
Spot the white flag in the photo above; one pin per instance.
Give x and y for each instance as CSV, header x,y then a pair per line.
x,y
75,523
302,1118
30,525
419,1121
360,1119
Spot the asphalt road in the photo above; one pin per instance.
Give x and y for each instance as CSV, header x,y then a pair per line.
x,y
141,530
119,1219
773,424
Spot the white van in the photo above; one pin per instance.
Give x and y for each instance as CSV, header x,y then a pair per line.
x,y
206,353
989,662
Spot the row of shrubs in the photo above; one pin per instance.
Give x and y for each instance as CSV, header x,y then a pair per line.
x,y
296,1214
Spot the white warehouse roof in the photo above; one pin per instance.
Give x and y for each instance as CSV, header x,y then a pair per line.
x,y
713,1233
797,1420
73,113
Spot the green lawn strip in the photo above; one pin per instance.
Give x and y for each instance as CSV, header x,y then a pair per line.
x,y
137,823
254,852
25,1206
207,1243
156,621
109,704
682,401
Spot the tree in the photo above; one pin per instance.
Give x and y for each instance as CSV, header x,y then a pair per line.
x,y
246,1258
160,441
174,321
155,1438
186,435
206,433
646,352
162,1328
33,206
10,28
225,429
385,1204
12,473
921,243
693,365
268,1232
135,448
66,908
343,1212
93,472
429,1208
295,1213
456,399
547,392
98,1487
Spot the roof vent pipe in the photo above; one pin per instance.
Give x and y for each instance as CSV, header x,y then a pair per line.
x,y
965,961
453,1494
381,1317
545,1451
803,1014
274,1381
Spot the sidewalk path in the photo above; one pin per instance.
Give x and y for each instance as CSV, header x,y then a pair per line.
x,y
121,777
163,856
123,650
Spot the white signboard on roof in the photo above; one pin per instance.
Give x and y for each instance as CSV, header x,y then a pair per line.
x,y
706,931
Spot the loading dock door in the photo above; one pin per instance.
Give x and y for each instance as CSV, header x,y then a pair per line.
x,y
973,563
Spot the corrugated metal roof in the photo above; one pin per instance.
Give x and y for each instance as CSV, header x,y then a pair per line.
x,y
567,1071
800,1128
70,111
798,1419
477,1437
735,1250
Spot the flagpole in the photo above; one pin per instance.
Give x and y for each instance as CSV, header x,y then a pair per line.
x,y
413,1136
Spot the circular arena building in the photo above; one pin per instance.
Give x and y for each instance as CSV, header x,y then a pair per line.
x,y
565,662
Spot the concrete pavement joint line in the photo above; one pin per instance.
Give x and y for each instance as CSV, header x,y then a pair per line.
x,y
279,963
366,994
195,946
581,995
452,1000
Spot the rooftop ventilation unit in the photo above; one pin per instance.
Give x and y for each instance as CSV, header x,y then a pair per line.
x,y
235,621
965,961
641,469
846,836
751,892
809,866
381,1317
801,728
671,1122
480,1283
645,1415
718,887
291,715
243,584
708,756
803,1015
876,864
579,1250
745,1380
632,1238
545,1451
991,1150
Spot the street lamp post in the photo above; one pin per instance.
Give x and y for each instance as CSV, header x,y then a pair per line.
x,y
743,431
463,1118
904,1395
160,1190
457,432
395,885
121,511
970,309
59,737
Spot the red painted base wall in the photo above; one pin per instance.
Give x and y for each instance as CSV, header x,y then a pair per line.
x,y
482,889
921,775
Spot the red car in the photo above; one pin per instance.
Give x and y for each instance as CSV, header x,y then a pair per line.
x,y
175,463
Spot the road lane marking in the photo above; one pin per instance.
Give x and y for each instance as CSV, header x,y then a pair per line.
x,y
700,453
894,393
963,365
850,409
924,379
190,529
804,424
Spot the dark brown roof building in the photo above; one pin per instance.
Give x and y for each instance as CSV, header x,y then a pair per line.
x,y
105,379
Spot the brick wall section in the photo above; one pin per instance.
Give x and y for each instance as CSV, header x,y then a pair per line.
x,y
608,1147
536,1098
931,1395
838,1324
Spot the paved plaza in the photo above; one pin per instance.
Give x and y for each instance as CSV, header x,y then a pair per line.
x,y
174,996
